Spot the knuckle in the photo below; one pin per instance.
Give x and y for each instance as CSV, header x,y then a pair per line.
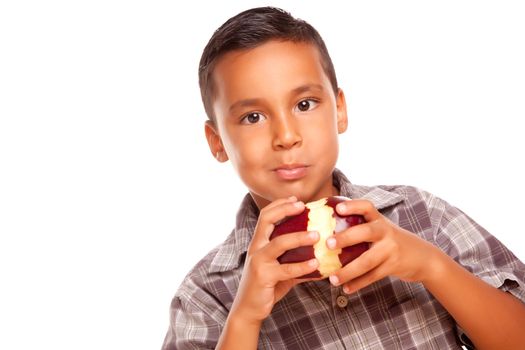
x,y
395,250
300,240
376,229
388,233
342,240
264,211
257,269
395,263
362,231
257,273
252,260
366,264
265,219
288,269
290,241
368,230
280,243
257,260
308,266
375,276
366,280
303,239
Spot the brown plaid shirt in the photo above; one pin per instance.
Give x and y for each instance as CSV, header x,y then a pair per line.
x,y
389,314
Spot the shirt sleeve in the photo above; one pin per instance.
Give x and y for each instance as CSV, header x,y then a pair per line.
x,y
194,323
190,328
480,252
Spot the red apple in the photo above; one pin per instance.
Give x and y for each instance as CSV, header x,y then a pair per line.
x,y
322,217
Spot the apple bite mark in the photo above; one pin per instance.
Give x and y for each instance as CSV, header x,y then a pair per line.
x,y
321,219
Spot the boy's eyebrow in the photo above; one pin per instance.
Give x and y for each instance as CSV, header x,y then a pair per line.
x,y
245,103
307,87
254,101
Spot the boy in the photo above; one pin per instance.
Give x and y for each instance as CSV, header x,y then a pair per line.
x,y
432,278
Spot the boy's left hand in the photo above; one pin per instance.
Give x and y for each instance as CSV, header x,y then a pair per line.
x,y
393,251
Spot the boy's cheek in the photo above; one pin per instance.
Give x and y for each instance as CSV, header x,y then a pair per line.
x,y
322,217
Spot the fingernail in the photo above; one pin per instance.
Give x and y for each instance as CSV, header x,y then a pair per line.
x,y
334,280
346,290
313,263
340,207
313,235
292,198
298,204
330,243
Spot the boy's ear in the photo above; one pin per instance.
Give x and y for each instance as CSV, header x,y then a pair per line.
x,y
342,118
214,141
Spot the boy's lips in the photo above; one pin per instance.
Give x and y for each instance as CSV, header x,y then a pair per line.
x,y
291,171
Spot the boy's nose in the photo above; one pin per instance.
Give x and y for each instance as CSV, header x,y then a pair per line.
x,y
286,133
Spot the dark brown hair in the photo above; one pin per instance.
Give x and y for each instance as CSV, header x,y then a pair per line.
x,y
250,29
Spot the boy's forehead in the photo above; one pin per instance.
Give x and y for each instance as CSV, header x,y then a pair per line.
x,y
273,68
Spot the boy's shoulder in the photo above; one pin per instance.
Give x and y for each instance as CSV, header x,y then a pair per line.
x,y
410,207
207,271
383,196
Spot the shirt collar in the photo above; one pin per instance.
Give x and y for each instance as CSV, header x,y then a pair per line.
x,y
230,253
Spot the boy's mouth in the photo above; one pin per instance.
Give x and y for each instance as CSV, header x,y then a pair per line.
x,y
291,171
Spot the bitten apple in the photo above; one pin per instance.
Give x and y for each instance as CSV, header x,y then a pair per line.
x,y
322,217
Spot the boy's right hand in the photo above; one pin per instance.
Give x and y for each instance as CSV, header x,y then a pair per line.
x,y
264,280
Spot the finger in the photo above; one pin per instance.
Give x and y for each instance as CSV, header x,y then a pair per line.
x,y
364,280
289,241
365,263
296,270
268,218
277,212
302,280
358,207
280,201
367,232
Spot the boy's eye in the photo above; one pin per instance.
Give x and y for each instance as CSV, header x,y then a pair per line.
x,y
306,105
252,118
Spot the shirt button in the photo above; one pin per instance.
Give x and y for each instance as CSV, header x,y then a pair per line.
x,y
342,301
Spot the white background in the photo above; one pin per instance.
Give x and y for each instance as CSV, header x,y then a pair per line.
x,y
108,193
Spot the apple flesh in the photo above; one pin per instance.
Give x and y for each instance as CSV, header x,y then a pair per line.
x,y
322,217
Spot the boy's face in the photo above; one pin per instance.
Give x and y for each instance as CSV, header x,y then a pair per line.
x,y
277,120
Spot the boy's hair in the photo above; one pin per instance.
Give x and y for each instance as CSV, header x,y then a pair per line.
x,y
250,29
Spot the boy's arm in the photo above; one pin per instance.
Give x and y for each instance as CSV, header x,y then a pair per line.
x,y
264,280
238,334
490,317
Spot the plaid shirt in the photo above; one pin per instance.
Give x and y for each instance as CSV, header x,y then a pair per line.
x,y
389,314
